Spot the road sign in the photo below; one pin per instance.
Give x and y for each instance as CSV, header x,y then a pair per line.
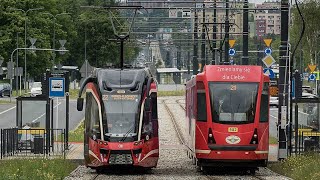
x,y
268,51
312,68
186,13
273,87
267,42
86,69
232,42
56,87
317,73
268,60
32,48
62,42
62,52
312,77
232,52
18,71
33,40
10,69
269,72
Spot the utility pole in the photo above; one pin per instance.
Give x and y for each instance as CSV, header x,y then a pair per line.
x,y
245,55
283,81
214,35
195,43
226,29
203,37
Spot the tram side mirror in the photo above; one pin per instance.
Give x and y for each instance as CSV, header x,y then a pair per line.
x,y
79,104
147,104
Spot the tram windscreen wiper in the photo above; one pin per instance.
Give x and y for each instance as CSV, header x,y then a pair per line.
x,y
127,133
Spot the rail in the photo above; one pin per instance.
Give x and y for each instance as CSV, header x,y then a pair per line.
x,y
174,122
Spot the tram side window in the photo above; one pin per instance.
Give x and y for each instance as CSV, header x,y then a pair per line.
x,y
88,111
264,117
154,106
95,120
201,105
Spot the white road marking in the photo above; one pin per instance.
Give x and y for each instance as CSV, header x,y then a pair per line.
x,y
44,114
7,110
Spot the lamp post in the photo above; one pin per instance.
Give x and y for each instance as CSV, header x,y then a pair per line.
x,y
54,31
25,12
17,77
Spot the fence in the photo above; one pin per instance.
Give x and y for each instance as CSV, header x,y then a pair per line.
x,y
32,142
307,141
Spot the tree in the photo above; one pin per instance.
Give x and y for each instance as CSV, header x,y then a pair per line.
x,y
309,45
73,27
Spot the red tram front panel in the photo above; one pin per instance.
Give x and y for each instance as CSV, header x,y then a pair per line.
x,y
230,111
113,136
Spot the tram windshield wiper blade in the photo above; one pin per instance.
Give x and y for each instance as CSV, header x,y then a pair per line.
x,y
127,133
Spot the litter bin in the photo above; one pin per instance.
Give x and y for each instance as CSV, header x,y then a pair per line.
x,y
310,144
38,145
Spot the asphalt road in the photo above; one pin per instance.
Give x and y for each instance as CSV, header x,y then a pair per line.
x,y
302,120
35,112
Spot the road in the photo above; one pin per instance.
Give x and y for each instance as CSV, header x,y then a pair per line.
x,y
35,112
302,120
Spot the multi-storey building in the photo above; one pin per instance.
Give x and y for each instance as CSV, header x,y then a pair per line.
x,y
268,21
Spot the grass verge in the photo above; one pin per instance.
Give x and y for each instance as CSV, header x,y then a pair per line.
x,y
299,167
171,93
35,169
273,140
73,93
5,102
77,135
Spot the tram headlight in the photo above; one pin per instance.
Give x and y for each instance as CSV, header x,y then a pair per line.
x,y
255,136
210,135
254,142
137,143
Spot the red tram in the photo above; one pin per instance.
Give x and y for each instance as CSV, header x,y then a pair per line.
x,y
227,110
121,119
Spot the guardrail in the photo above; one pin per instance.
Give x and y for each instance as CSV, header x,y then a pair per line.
x,y
32,142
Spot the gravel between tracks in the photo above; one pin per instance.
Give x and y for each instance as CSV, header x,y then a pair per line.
x,y
173,162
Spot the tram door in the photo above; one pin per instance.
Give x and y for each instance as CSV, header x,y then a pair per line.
x,y
92,126
87,127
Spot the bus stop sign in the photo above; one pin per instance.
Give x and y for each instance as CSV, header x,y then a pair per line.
x,y
56,87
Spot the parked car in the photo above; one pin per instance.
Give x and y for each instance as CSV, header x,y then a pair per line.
x,y
313,120
306,89
5,89
36,89
308,107
274,101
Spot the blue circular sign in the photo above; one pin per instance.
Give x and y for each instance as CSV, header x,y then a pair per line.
x,y
232,52
268,51
312,77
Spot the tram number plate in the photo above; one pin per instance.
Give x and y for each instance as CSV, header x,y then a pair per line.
x,y
232,129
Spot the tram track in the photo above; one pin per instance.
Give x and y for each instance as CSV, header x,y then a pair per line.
x,y
95,177
180,104
175,124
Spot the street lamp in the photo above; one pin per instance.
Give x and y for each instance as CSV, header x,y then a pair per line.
x,y
25,12
54,30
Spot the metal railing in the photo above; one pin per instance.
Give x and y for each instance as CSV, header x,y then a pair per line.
x,y
308,141
32,142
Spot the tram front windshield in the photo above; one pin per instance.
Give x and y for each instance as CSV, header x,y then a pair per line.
x,y
233,103
121,115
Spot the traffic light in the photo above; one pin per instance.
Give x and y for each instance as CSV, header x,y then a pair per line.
x,y
298,84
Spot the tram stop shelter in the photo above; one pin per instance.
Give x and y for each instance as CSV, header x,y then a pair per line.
x,y
172,76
